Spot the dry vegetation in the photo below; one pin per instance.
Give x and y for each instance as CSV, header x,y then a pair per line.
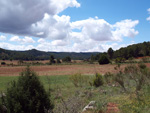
x,y
86,69
62,69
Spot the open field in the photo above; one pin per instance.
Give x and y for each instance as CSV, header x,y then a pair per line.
x,y
65,94
86,69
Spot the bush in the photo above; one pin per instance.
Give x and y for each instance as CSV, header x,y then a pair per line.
x,y
79,80
58,61
98,81
120,60
27,95
104,60
66,59
109,77
52,60
3,63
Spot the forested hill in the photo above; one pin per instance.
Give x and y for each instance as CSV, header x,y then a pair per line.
x,y
135,50
132,51
41,55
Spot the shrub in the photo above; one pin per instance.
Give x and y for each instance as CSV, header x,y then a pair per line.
x,y
58,61
27,95
119,78
66,59
120,60
104,60
108,77
79,80
98,81
3,63
52,60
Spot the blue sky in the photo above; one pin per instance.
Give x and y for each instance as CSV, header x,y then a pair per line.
x,y
73,25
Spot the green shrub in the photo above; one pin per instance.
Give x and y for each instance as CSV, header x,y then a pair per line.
x,y
98,81
66,59
3,63
120,60
103,60
109,77
27,95
52,60
79,80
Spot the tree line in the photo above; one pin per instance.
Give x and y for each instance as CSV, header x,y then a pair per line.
x,y
124,53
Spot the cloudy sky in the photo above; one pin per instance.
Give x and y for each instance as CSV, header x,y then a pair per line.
x,y
73,25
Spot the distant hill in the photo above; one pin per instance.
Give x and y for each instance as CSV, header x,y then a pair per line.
x,y
131,51
41,55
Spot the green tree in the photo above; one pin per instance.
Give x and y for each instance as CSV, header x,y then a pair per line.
x,y
27,95
66,59
98,80
58,61
52,59
92,58
110,53
103,59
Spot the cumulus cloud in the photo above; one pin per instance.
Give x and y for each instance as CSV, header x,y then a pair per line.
x,y
2,38
18,16
24,40
100,30
15,47
41,40
40,18
124,28
53,27
96,29
59,43
148,19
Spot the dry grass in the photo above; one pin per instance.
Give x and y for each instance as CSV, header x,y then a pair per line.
x,y
87,69
83,68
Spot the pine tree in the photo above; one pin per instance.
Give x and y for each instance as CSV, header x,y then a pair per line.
x,y
27,95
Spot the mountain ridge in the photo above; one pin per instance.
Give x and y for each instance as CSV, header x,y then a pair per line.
x,y
35,54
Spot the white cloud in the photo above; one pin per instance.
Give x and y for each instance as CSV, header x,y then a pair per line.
x,y
18,16
24,40
100,30
15,39
84,35
148,19
60,5
28,40
59,43
15,47
124,28
96,29
41,40
148,10
53,27
2,38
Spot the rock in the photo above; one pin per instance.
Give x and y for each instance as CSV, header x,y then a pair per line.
x,y
90,106
2,95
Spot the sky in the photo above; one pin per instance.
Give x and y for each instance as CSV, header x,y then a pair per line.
x,y
73,25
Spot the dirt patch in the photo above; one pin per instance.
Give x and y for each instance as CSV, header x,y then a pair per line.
x,y
112,108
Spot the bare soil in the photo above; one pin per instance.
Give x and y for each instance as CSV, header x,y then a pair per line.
x,y
86,69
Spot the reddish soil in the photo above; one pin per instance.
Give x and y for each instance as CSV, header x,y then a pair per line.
x,y
87,69
59,69
143,57
112,108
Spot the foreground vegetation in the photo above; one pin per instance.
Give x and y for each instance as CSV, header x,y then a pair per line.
x,y
129,89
